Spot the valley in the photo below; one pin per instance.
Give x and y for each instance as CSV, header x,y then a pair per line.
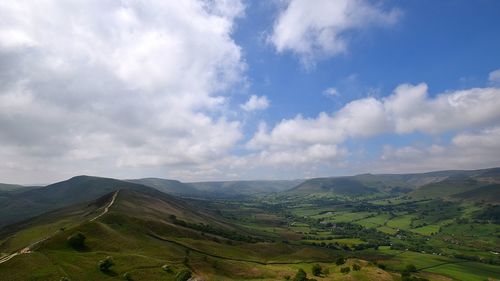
x,y
433,226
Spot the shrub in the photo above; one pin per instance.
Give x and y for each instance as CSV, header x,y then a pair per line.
x,y
356,267
288,277
382,266
301,275
316,270
77,240
345,270
183,275
64,279
340,261
106,264
411,268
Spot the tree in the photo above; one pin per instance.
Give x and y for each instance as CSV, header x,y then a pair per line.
x,y
356,267
316,270
77,241
345,269
106,264
301,275
411,268
340,261
183,275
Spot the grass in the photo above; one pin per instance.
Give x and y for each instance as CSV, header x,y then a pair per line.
x,y
427,230
401,222
125,234
387,230
373,222
347,216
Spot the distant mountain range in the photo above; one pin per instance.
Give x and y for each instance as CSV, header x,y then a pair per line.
x,y
440,184
19,202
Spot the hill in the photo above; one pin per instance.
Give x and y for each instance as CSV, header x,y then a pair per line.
x,y
23,205
10,187
168,186
488,193
431,185
144,230
445,188
235,188
342,186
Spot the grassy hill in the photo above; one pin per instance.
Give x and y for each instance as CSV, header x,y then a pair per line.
x,y
445,188
232,188
10,187
152,235
141,234
342,186
488,193
168,186
23,205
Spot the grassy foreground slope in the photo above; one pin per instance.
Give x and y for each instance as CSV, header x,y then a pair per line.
x,y
145,230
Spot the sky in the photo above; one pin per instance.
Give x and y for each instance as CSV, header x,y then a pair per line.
x,y
237,89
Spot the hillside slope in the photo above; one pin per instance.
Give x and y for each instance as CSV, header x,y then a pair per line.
x,y
488,193
144,230
168,186
78,189
232,188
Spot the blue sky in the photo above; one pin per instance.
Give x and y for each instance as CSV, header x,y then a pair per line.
x,y
204,90
447,44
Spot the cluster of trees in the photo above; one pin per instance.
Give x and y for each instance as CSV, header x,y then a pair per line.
x,y
317,270
491,214
301,275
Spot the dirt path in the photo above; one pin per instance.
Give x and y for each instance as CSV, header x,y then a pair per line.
x,y
27,250
107,207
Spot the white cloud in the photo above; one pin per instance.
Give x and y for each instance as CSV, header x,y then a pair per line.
x,y
256,103
331,92
115,88
409,109
494,76
467,150
315,29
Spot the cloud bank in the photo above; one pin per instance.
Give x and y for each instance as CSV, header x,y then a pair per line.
x,y
89,86
407,110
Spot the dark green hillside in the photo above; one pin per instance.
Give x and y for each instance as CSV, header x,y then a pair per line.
x,y
489,175
9,187
489,193
231,188
343,186
75,190
445,188
168,186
